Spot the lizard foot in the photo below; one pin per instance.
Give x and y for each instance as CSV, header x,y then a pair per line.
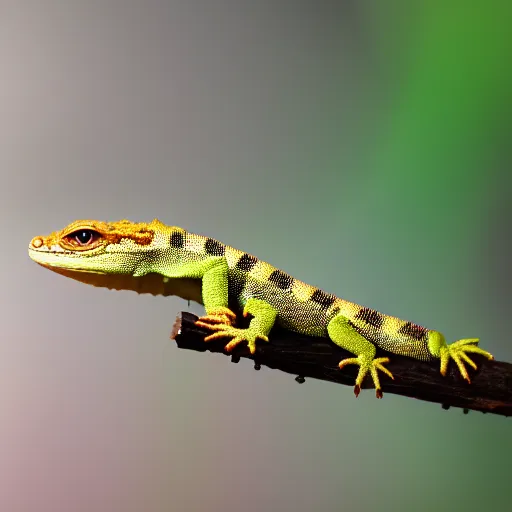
x,y
458,352
368,365
215,317
237,336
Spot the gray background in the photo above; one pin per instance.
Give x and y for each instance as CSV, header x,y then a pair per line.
x,y
362,148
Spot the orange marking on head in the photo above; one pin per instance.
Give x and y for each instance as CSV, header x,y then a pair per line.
x,y
107,232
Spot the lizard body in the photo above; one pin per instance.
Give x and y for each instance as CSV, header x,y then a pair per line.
x,y
167,260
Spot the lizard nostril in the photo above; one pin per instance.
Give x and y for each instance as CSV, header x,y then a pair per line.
x,y
37,242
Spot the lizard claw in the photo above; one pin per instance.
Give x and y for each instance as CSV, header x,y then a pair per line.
x,y
368,365
217,317
237,336
458,352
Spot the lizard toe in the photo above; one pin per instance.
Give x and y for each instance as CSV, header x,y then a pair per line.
x,y
368,365
458,351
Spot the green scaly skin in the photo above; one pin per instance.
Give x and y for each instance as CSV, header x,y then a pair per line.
x,y
167,260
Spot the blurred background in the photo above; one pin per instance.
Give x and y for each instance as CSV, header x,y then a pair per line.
x,y
362,146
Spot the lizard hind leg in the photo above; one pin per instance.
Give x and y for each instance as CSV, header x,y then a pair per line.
x,y
344,335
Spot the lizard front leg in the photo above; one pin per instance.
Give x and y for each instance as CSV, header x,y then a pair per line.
x,y
264,317
344,335
215,296
221,319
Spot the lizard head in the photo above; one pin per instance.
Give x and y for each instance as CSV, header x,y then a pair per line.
x,y
108,254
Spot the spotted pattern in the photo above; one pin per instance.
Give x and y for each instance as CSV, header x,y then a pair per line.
x,y
324,299
300,307
280,279
371,317
246,262
356,328
236,285
414,331
177,240
214,248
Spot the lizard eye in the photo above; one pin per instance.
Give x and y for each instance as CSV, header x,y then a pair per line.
x,y
83,237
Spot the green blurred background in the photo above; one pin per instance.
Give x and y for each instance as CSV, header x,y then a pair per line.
x,y
363,147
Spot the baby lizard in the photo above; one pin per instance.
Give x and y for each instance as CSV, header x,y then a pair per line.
x,y
167,260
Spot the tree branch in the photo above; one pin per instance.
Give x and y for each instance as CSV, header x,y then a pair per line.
x,y
490,389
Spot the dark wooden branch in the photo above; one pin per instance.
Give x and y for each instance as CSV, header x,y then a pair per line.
x,y
490,389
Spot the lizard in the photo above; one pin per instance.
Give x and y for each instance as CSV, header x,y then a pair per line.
x,y
168,260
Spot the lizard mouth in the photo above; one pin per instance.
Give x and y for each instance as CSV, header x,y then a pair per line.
x,y
68,272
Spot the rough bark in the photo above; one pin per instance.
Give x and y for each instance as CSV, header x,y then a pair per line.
x,y
303,356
